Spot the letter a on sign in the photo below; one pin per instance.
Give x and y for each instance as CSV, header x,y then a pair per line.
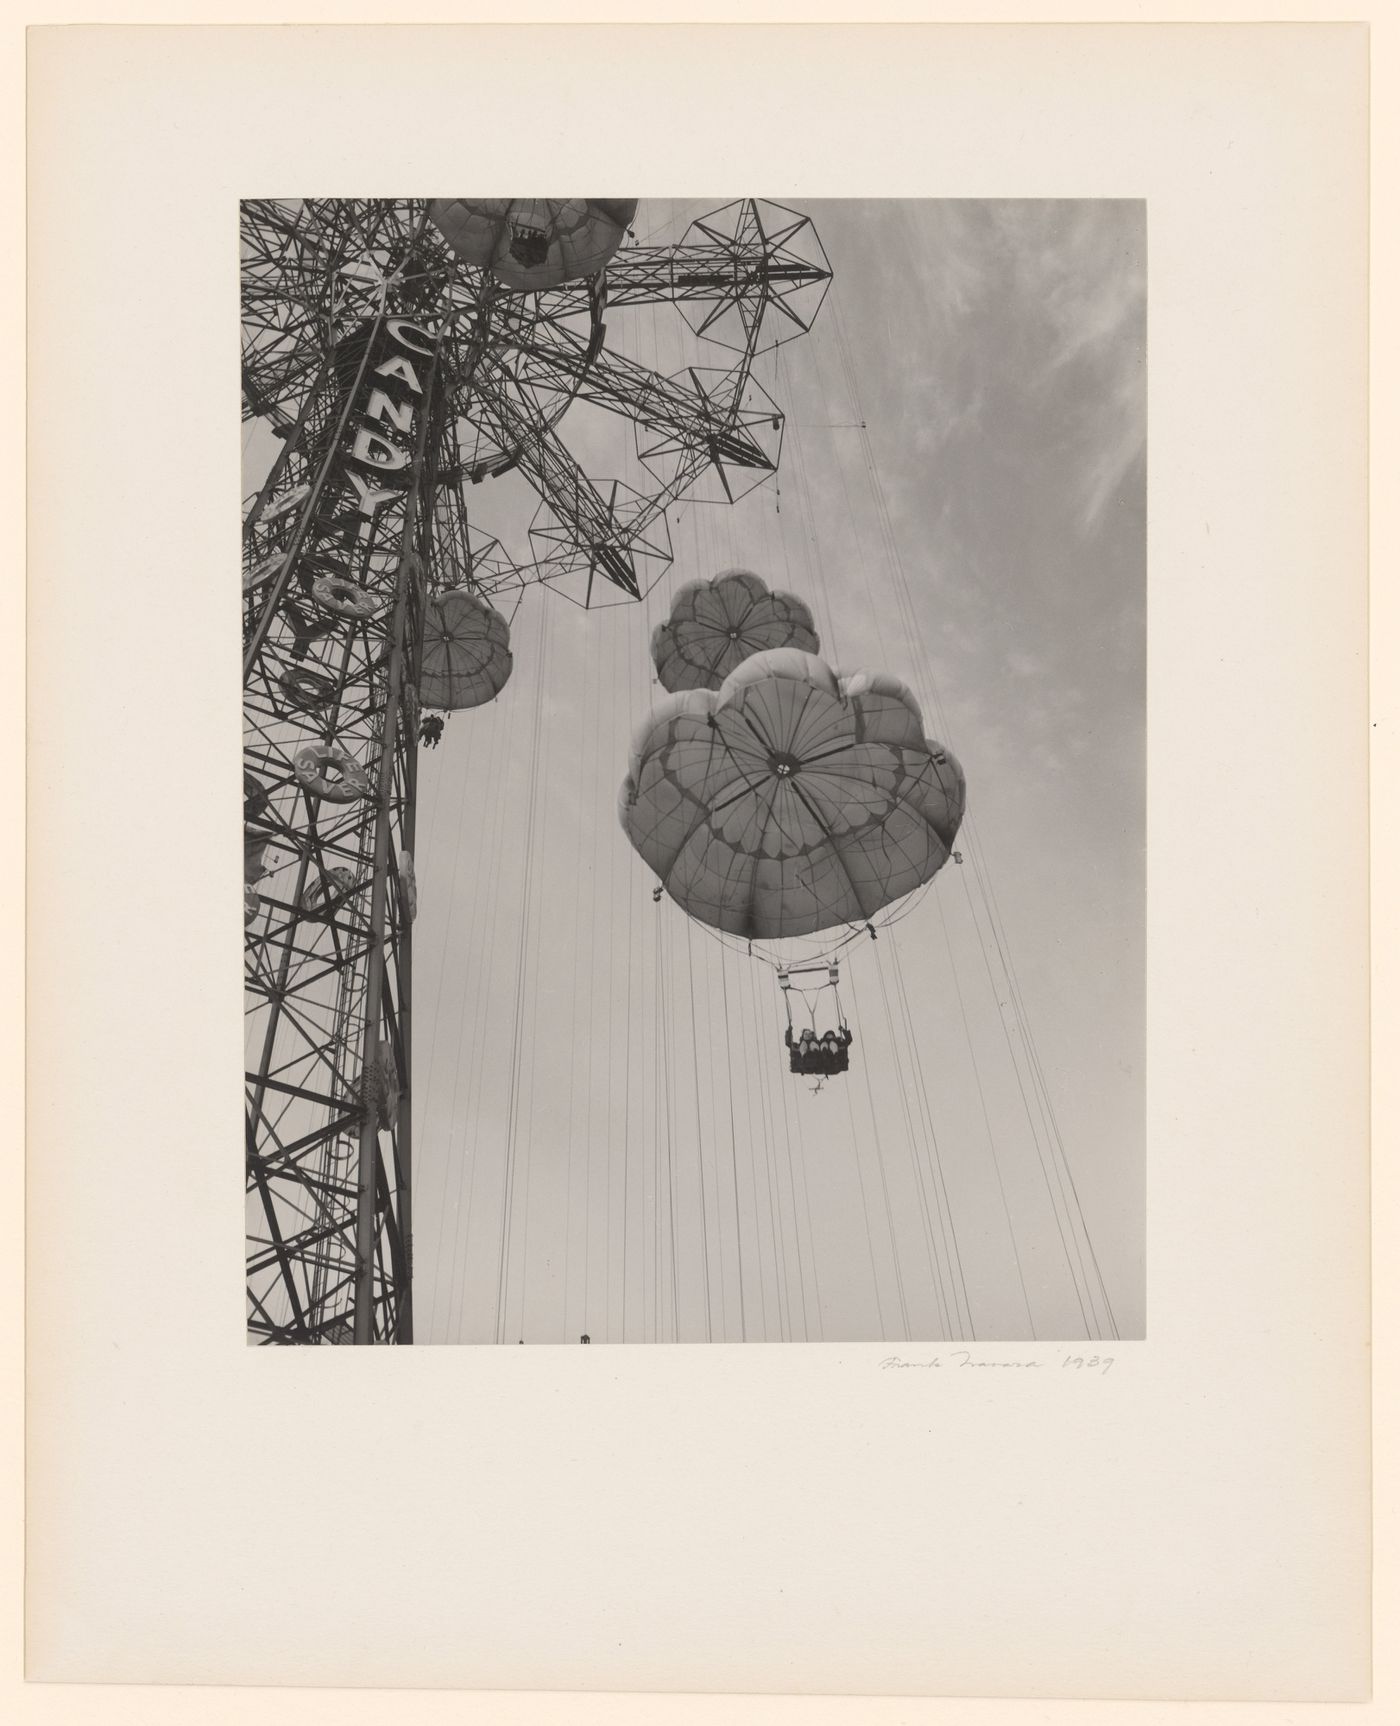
x,y
401,367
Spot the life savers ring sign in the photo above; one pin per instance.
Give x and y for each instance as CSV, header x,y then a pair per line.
x,y
322,897
342,597
328,772
263,572
379,1087
307,689
286,503
412,708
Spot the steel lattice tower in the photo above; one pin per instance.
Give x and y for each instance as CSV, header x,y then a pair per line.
x,y
396,378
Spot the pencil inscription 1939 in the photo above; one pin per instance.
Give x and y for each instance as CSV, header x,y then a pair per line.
x,y
961,1357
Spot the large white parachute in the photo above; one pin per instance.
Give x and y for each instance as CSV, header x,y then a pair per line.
x,y
791,800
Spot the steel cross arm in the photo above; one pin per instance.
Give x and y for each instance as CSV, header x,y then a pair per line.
x,y
313,1236
315,966
279,352
303,1093
273,1161
661,404
650,275
564,486
321,1203
693,461
323,1194
391,782
269,383
285,1259
325,1248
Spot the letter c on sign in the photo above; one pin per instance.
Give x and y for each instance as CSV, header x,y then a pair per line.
x,y
396,328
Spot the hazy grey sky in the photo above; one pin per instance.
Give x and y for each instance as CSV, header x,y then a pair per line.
x,y
598,1083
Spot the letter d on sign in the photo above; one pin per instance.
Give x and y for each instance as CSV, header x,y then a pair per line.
x,y
368,442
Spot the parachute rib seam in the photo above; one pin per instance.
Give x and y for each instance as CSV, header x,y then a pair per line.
x,y
750,927
695,827
708,810
836,852
920,814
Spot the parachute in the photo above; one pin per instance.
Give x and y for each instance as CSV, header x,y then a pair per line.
x,y
466,651
791,800
715,625
529,244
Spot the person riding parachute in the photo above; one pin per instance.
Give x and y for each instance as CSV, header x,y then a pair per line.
x,y
791,803
530,244
824,1055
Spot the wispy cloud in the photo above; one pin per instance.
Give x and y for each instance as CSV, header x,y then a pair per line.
x,y
1020,308
1085,265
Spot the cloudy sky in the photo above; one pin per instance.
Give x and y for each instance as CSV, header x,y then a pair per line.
x,y
607,1139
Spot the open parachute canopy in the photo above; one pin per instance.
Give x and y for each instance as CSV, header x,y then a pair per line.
x,y
715,625
791,799
530,244
466,651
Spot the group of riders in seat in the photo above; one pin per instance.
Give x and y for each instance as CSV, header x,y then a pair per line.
x,y
822,1055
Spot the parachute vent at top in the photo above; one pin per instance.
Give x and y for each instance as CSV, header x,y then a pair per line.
x,y
791,800
466,651
715,625
530,244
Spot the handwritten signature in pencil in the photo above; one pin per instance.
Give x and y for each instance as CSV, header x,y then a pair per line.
x,y
962,1357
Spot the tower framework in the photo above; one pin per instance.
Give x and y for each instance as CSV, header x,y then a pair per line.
x,y
396,378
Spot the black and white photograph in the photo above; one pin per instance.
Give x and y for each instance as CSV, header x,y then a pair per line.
x,y
694,794
770,710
